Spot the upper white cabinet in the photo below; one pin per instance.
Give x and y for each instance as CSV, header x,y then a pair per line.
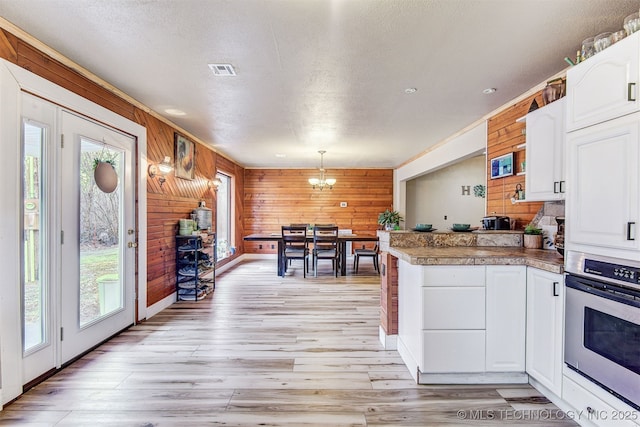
x,y
545,179
604,86
603,205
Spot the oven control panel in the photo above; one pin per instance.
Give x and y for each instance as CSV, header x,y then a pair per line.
x,y
612,271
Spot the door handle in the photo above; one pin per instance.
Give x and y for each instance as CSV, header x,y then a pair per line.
x,y
630,87
556,186
629,225
132,244
562,186
555,289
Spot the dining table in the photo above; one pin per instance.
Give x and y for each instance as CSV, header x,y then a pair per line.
x,y
343,238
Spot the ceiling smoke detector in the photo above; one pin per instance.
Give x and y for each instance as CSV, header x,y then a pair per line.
x,y
222,70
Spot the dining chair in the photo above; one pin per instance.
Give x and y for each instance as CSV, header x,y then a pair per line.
x,y
369,253
294,240
325,246
306,227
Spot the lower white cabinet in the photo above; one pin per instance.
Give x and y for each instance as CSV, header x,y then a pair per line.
x,y
545,324
506,294
462,319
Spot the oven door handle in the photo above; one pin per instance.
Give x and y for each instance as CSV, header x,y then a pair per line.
x,y
610,291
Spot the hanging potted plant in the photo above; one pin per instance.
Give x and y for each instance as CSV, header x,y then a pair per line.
x,y
390,220
532,237
104,173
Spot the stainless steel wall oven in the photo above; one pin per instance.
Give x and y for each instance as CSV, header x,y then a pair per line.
x,y
602,323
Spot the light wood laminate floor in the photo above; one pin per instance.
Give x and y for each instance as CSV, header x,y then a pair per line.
x,y
265,350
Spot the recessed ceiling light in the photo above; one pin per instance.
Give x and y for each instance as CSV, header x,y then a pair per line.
x,y
489,90
410,90
223,70
175,112
281,155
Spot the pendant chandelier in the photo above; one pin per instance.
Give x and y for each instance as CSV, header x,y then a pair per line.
x,y
322,181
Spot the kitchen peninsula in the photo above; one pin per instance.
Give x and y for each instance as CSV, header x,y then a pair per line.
x,y
462,303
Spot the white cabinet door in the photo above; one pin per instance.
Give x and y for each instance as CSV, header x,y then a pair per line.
x,y
604,86
506,306
545,316
545,152
602,202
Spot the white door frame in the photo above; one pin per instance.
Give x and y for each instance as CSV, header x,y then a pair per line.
x,y
13,80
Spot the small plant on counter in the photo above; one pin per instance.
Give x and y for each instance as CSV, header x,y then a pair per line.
x,y
532,229
390,219
532,237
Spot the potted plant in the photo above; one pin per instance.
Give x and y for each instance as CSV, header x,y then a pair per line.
x,y
532,237
390,220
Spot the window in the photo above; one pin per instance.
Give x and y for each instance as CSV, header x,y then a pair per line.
x,y
34,255
224,215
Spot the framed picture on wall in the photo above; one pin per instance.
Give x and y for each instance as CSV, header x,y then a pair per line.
x,y
502,166
185,155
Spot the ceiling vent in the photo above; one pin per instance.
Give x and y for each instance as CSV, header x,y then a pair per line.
x,y
222,70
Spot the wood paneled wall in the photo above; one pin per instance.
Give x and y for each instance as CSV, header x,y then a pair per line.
x,y
166,204
276,197
504,136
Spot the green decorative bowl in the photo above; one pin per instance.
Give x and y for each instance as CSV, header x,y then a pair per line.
x,y
461,226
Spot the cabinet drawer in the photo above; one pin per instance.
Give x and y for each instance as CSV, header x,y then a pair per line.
x,y
454,275
591,408
453,308
453,351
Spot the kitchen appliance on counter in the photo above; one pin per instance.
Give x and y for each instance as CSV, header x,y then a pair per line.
x,y
602,322
496,223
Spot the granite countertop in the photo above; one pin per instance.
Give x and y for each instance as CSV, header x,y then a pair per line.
x,y
543,259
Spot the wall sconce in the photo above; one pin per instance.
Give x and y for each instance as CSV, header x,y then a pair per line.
x,y
215,183
161,169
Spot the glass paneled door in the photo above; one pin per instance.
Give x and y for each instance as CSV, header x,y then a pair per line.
x,y
78,246
98,233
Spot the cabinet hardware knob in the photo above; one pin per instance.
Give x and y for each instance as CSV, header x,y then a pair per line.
x,y
630,95
555,289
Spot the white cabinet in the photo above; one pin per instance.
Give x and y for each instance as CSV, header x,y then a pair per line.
x,y
458,320
604,86
453,319
545,152
545,316
603,204
506,307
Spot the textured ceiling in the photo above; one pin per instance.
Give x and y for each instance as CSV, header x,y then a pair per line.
x,y
320,74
